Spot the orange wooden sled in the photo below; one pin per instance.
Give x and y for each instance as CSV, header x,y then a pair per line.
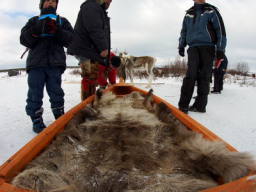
x,y
33,148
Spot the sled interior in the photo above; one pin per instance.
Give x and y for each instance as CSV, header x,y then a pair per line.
x,y
33,148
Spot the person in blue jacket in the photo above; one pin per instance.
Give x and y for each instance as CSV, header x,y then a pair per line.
x,y
202,30
219,71
45,36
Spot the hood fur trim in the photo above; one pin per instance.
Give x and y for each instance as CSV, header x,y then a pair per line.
x,y
100,1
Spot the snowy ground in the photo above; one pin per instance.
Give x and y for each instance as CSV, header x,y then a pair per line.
x,y
230,115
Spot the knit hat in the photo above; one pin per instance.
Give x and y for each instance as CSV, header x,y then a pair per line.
x,y
115,61
42,2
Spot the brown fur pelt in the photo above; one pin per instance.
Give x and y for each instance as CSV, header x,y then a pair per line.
x,y
130,144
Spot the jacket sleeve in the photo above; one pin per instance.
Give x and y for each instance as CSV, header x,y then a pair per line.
x,y
183,34
67,33
26,37
94,23
220,30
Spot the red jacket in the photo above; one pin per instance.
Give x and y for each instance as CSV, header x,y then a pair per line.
x,y
111,74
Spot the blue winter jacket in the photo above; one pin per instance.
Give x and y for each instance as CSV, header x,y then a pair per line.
x,y
203,26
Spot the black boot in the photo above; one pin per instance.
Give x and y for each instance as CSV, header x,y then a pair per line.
x,y
58,112
38,123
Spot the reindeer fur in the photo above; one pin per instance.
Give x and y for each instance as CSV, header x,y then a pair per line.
x,y
130,144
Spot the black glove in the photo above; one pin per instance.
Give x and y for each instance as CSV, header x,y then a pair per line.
x,y
182,51
220,55
50,26
38,28
58,27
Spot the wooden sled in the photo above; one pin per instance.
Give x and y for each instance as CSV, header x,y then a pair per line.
x,y
21,158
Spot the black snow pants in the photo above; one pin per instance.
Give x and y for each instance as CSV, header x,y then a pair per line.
x,y
200,63
218,82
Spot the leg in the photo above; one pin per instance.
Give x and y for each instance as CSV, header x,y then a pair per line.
x,y
88,88
89,74
188,85
221,82
217,79
131,74
36,81
205,69
54,90
150,78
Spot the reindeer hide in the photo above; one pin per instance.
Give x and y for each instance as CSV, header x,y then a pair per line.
x,y
130,144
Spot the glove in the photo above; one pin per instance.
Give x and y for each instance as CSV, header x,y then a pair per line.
x,y
58,31
182,51
38,28
50,26
220,55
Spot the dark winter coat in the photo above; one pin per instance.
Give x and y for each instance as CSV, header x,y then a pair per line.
x,y
46,50
203,26
92,32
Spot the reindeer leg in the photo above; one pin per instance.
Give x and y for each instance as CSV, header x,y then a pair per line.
x,y
150,79
131,76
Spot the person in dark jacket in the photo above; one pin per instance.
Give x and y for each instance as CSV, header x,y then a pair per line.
x,y
91,44
220,69
45,36
202,30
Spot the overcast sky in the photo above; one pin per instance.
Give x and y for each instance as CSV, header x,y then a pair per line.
x,y
141,27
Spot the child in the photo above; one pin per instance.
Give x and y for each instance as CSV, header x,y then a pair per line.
x,y
109,72
220,69
90,80
45,36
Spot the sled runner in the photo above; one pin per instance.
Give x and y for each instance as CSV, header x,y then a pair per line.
x,y
12,167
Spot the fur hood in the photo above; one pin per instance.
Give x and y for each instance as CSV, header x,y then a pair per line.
x,y
100,1
97,1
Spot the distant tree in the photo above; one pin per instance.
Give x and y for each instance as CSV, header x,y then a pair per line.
x,y
242,68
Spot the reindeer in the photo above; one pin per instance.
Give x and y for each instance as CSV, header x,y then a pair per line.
x,y
132,64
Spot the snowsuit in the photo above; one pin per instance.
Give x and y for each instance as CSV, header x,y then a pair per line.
x,y
202,30
45,64
219,72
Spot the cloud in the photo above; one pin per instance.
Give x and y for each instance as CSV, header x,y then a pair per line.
x,y
141,27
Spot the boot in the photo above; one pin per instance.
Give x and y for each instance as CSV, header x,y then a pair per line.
x,y
38,123
58,112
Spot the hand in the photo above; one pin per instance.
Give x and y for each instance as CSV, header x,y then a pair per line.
x,y
104,53
182,51
50,26
220,55
38,28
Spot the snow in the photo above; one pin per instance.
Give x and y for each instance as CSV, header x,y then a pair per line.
x,y
230,115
